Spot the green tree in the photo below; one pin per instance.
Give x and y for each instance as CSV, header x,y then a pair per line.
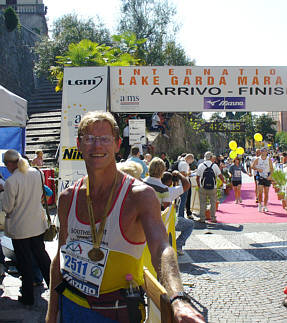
x,y
265,125
281,140
11,19
66,30
153,20
88,53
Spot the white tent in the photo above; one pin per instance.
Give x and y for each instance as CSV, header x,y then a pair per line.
x,y
13,109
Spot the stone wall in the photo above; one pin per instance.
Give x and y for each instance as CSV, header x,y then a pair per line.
x,y
183,139
17,59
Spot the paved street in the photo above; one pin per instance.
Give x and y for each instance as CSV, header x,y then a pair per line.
x,y
236,273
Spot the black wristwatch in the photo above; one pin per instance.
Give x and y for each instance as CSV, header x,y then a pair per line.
x,y
180,295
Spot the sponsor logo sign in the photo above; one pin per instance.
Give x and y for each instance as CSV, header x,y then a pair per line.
x,y
89,85
224,103
130,100
184,88
71,153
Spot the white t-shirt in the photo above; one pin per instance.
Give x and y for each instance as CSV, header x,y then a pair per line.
x,y
155,121
126,131
183,166
175,192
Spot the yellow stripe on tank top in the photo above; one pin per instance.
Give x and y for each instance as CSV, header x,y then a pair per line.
x,y
118,265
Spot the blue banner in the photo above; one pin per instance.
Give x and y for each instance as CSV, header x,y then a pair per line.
x,y
11,138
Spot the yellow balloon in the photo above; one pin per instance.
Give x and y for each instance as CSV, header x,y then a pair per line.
x,y
240,151
232,154
258,137
232,145
269,145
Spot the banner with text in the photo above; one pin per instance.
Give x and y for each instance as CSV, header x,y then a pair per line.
x,y
84,89
196,88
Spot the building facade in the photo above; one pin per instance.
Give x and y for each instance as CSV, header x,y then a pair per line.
x,y
31,13
281,120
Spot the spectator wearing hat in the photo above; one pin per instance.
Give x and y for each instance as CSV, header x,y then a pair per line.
x,y
209,192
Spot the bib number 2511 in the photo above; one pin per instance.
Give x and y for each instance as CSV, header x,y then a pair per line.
x,y
76,265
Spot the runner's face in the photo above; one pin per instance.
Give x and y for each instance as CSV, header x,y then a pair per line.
x,y
99,154
264,154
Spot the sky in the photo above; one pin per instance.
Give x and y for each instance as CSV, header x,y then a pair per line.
x,y
213,32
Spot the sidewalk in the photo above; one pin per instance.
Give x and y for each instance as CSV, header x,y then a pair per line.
x,y
11,311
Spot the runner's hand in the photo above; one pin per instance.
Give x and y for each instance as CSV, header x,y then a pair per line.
x,y
185,313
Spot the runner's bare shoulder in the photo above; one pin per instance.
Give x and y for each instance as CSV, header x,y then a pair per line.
x,y
142,191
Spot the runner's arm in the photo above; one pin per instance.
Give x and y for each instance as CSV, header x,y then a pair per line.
x,y
163,256
271,169
55,274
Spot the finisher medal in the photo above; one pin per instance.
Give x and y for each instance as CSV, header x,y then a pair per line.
x,y
96,254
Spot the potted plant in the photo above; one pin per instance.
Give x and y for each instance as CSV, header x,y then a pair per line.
x,y
219,186
228,186
280,195
280,179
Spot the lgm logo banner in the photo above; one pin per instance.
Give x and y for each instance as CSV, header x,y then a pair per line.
x,y
224,103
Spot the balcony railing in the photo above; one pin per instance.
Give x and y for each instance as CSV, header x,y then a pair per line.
x,y
39,9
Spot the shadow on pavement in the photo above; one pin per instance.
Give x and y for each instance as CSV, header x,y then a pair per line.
x,y
196,270
218,226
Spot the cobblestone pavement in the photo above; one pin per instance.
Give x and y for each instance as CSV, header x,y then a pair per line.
x,y
234,273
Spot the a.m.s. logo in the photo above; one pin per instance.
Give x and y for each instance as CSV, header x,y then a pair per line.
x,y
90,84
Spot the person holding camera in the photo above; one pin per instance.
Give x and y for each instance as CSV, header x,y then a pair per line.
x,y
181,223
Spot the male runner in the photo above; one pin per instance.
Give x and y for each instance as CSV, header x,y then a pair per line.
x,y
264,167
257,154
92,275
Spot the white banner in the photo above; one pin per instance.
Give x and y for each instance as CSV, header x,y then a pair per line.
x,y
84,89
196,88
137,132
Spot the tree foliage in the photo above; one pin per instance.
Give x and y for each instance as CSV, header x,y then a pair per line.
x,y
66,30
88,53
281,140
11,19
265,125
153,20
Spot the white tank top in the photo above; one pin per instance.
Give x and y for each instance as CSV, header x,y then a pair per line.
x,y
264,164
113,237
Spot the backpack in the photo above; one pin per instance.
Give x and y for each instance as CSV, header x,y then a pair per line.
x,y
208,180
174,166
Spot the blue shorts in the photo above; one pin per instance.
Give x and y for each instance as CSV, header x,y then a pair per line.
x,y
71,312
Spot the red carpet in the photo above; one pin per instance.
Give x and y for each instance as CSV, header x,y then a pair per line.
x,y
247,211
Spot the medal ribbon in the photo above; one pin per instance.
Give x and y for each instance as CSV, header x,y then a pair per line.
x,y
97,235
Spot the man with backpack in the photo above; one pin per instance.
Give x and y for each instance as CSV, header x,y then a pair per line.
x,y
206,182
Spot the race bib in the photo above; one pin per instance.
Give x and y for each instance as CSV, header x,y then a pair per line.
x,y
237,173
78,270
